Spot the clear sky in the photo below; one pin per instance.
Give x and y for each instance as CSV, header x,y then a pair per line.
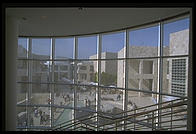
x,y
110,42
87,46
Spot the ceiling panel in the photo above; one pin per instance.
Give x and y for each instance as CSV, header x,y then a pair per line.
x,y
74,21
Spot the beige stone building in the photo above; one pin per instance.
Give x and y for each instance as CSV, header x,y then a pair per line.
x,y
85,72
143,73
178,67
107,66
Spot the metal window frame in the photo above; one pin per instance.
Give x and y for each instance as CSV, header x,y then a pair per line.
x,y
99,59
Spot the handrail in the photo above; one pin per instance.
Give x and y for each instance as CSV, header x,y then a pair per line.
x,y
176,111
78,121
68,121
131,116
149,110
113,120
150,106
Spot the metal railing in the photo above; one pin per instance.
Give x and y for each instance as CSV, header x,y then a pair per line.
x,y
173,117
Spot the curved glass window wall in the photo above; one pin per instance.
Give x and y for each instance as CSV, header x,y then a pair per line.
x,y
107,72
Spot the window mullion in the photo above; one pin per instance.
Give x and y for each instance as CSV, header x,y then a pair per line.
x,y
30,79
75,75
160,71
52,79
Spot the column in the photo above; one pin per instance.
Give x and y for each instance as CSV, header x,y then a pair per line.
x,y
141,77
11,72
98,90
125,75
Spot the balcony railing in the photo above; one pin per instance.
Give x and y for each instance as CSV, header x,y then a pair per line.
x,y
170,115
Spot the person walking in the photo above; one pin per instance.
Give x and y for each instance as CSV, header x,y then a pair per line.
x,y
41,119
36,112
118,97
40,112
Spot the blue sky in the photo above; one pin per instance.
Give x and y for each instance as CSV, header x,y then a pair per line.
x,y
87,46
110,42
64,47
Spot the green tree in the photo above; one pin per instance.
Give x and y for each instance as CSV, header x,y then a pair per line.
x,y
106,79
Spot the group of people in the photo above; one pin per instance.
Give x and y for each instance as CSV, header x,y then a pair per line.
x,y
43,115
43,118
87,102
133,105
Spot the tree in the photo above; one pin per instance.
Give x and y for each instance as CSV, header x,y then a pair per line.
x,y
106,79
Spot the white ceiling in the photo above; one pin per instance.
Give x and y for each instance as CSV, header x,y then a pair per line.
x,y
72,21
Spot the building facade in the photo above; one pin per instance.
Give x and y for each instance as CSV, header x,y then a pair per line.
x,y
143,73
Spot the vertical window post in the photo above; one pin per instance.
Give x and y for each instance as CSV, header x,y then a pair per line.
x,y
52,80
98,91
160,69
30,79
75,75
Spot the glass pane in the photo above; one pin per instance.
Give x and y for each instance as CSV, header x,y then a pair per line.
x,y
21,116
143,74
86,97
40,116
139,100
87,72
109,73
22,47
175,76
112,44
64,48
87,47
62,115
176,37
22,95
40,71
111,100
40,94
21,99
22,70
41,48
145,108
178,116
63,95
144,42
63,71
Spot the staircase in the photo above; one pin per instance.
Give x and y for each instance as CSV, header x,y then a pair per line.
x,y
170,115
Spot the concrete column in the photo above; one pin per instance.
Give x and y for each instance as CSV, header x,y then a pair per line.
x,y
140,80
11,72
125,75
